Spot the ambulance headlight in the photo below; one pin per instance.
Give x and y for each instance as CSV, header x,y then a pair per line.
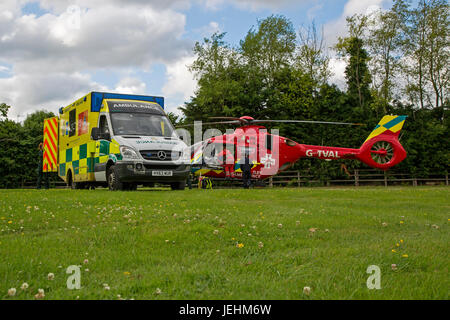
x,y
128,153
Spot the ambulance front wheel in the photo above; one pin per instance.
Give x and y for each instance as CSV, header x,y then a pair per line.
x,y
114,183
180,185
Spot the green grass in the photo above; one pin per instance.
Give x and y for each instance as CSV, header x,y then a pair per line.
x,y
139,241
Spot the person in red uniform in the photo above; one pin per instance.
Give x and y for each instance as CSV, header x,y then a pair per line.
x,y
226,159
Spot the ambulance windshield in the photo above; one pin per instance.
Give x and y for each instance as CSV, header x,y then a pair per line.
x,y
141,124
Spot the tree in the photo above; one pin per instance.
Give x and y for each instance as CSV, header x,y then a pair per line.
x,y
356,72
428,53
270,47
385,42
311,56
4,110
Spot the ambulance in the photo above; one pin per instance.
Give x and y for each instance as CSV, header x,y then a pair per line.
x,y
117,141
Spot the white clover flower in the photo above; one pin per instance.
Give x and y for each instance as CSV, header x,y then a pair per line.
x,y
40,294
280,225
24,286
50,276
12,292
307,290
158,291
216,231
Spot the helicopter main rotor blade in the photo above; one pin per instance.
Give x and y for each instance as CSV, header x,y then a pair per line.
x,y
211,123
307,121
224,118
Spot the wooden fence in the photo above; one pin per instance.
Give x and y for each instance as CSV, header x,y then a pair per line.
x,y
357,178
306,179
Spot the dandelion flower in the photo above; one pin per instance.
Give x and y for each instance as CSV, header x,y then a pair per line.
x,y
393,250
307,290
12,292
126,273
404,255
50,276
240,245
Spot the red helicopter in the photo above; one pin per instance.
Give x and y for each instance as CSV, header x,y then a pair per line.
x,y
221,156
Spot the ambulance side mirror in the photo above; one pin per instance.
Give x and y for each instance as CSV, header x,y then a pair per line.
x,y
95,133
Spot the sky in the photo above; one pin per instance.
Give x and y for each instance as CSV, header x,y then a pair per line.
x,y
53,52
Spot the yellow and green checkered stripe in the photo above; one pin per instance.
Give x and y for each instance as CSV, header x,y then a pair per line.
x,y
388,123
83,158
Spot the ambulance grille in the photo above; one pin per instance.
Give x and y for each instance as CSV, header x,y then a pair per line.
x,y
161,155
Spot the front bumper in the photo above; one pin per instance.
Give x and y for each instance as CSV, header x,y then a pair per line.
x,y
136,171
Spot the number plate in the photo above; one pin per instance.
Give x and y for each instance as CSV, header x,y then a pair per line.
x,y
162,173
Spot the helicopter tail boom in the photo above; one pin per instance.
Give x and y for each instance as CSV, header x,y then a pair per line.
x,y
381,149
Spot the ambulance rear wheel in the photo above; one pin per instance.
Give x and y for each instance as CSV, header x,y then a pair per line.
x,y
114,183
71,183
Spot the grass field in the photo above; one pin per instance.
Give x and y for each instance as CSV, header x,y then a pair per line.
x,y
226,244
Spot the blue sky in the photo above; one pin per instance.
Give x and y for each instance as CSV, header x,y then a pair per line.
x,y
53,51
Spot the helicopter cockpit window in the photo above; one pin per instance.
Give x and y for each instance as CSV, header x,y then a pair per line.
x,y
213,151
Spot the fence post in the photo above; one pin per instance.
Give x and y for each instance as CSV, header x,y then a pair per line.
x,y
385,179
271,182
298,178
356,178
446,179
414,182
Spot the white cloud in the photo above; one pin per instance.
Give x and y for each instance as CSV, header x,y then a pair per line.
x,y
26,93
180,85
4,69
311,13
338,28
53,57
131,85
337,67
107,37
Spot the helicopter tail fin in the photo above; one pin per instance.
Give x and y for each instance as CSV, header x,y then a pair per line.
x,y
388,125
382,148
